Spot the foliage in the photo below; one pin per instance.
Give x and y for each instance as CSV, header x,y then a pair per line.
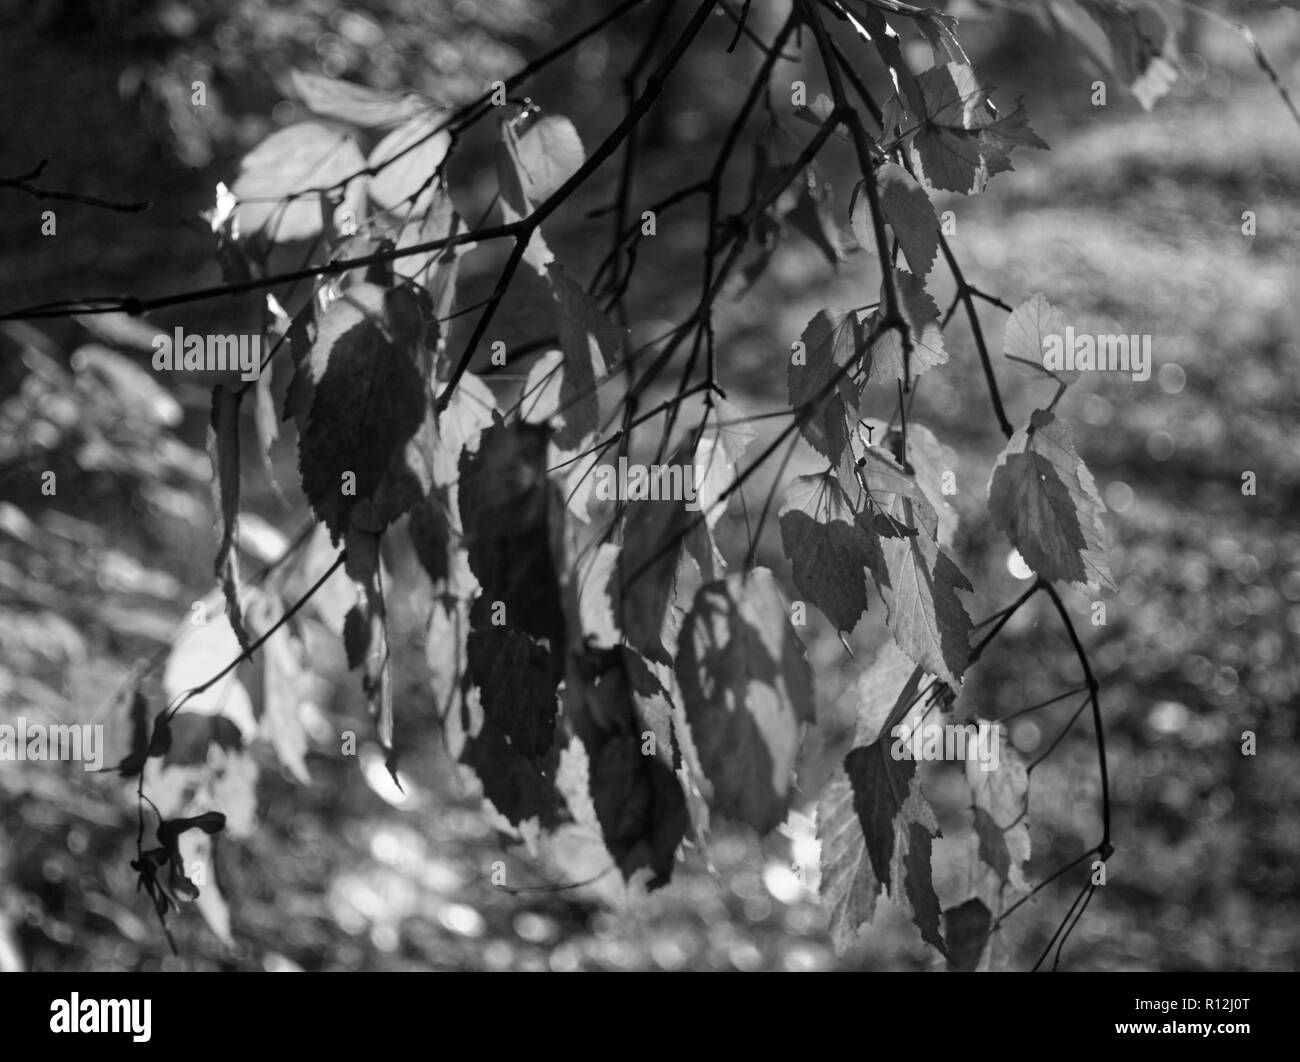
x,y
565,630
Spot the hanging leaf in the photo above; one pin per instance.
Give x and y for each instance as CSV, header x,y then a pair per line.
x,y
923,611
873,28
966,928
717,458
898,828
848,887
1143,46
356,104
283,677
961,141
200,651
931,463
877,485
922,315
365,637
734,433
148,741
573,470
624,722
546,152
917,580
504,509
814,216
1002,813
439,542
223,451
595,571
591,343
939,29
520,787
336,595
446,653
365,453
829,551
889,681
1043,496
535,157
292,160
416,149
572,467
301,337
539,401
198,849
907,210
817,112
832,341
516,678
873,822
647,571
747,690
515,207
266,424
436,270
469,413
1030,329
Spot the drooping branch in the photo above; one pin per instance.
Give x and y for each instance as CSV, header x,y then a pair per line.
x,y
653,88
893,317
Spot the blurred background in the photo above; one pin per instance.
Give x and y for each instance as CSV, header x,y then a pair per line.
x,y
1132,223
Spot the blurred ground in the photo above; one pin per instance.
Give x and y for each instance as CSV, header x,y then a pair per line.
x,y
1132,223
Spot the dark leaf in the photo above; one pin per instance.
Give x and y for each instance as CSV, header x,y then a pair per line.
x,y
814,216
830,553
822,392
505,504
898,827
637,798
517,680
223,451
1043,496
159,743
967,929
520,787
646,570
366,451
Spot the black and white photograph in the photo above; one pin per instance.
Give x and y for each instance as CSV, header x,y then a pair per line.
x,y
682,486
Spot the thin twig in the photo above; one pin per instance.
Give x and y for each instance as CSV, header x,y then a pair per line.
x,y
23,183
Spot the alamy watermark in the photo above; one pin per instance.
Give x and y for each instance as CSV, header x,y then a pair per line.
x,y
77,1015
637,482
208,353
82,742
1098,353
980,742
